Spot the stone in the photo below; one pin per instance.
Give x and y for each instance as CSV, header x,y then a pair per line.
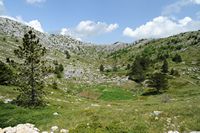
x,y
109,105
44,132
21,128
173,132
95,105
55,113
54,128
9,130
169,120
157,113
64,131
8,100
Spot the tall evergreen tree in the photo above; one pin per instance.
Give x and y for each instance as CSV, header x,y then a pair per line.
x,y
59,70
137,71
101,68
177,58
165,66
6,74
31,71
158,81
67,54
128,66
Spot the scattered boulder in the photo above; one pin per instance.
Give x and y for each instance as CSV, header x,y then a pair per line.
x,y
54,128
21,128
8,100
173,132
55,113
109,105
95,105
64,131
157,113
44,132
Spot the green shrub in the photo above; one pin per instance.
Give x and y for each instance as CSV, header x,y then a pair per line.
x,y
138,68
55,85
158,81
6,74
101,68
68,56
165,66
59,70
174,72
177,58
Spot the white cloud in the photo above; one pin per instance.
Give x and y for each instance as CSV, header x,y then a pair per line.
x,y
88,28
35,1
1,3
36,25
17,18
33,23
68,32
162,27
91,28
65,31
177,6
195,1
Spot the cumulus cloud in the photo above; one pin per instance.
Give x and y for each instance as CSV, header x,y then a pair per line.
x,y
88,28
1,3
91,28
177,6
36,25
162,27
65,31
195,1
33,23
35,1
68,32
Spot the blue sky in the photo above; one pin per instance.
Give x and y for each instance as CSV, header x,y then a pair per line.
x,y
106,21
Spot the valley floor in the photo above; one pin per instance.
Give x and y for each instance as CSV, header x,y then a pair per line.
x,y
109,109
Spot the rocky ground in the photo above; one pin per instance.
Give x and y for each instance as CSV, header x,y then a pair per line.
x,y
30,128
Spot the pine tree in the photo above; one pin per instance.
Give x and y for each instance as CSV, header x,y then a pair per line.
x,y
31,71
6,74
177,58
174,72
58,70
165,66
67,54
128,66
158,81
61,68
55,85
101,68
137,71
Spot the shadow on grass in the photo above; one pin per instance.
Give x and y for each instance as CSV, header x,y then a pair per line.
x,y
11,115
151,93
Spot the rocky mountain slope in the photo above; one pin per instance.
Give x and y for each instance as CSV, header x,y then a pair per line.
x,y
82,54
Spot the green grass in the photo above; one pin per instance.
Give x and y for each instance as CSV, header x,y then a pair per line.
x,y
125,113
10,115
115,94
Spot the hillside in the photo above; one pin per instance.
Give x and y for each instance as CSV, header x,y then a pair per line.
x,y
90,101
